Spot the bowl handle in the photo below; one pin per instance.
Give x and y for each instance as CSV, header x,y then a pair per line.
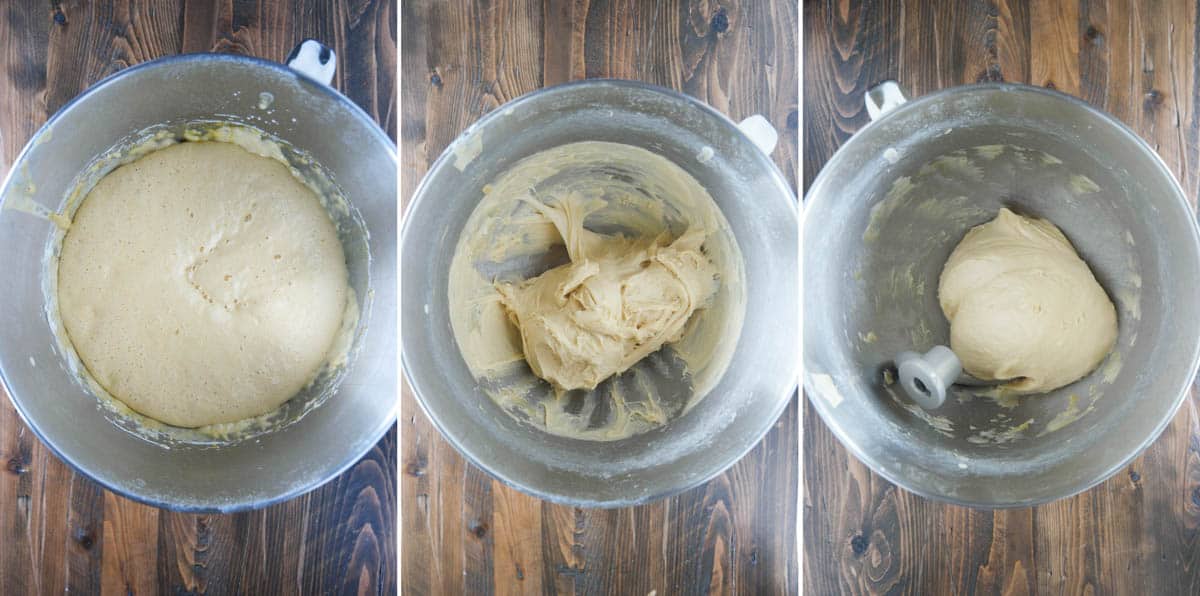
x,y
883,98
314,60
761,133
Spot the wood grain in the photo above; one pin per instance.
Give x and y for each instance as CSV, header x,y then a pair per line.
x,y
1136,533
60,532
466,533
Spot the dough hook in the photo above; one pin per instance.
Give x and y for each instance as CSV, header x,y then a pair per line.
x,y
927,378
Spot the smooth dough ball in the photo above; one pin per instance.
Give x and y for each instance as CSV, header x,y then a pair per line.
x,y
1022,305
202,284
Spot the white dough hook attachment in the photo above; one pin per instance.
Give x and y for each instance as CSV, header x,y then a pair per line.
x,y
927,378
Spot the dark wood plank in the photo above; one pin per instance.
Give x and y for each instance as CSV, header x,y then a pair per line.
x,y
1137,532
85,524
462,59
59,531
131,541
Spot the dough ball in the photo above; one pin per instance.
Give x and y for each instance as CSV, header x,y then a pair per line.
x,y
1022,305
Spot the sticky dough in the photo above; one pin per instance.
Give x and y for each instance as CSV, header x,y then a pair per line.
x,y
616,302
202,284
1023,305
547,291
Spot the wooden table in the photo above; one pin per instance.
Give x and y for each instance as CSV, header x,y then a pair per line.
x,y
1136,533
58,530
464,532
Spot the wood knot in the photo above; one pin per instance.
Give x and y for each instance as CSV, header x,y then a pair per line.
x,y
1134,476
859,545
1196,496
520,572
754,557
478,528
1154,99
1093,36
16,465
435,79
720,21
415,469
990,74
793,119
571,571
84,539
60,17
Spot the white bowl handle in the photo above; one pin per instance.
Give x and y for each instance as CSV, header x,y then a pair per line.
x,y
761,133
883,98
314,60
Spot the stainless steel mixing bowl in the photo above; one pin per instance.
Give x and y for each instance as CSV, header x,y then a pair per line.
x,y
762,212
55,404
880,221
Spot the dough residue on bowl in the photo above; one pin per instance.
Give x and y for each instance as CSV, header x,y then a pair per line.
x,y
596,291
202,284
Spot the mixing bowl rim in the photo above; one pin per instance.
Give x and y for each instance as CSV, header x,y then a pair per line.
x,y
822,181
422,191
235,507
6,187
562,499
447,154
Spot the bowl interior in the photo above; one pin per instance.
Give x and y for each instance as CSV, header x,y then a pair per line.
x,y
359,159
761,213
894,204
637,194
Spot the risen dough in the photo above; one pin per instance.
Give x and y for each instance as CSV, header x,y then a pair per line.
x,y
202,284
1022,305
617,301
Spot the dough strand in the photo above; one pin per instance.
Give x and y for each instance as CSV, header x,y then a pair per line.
x,y
596,291
616,302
